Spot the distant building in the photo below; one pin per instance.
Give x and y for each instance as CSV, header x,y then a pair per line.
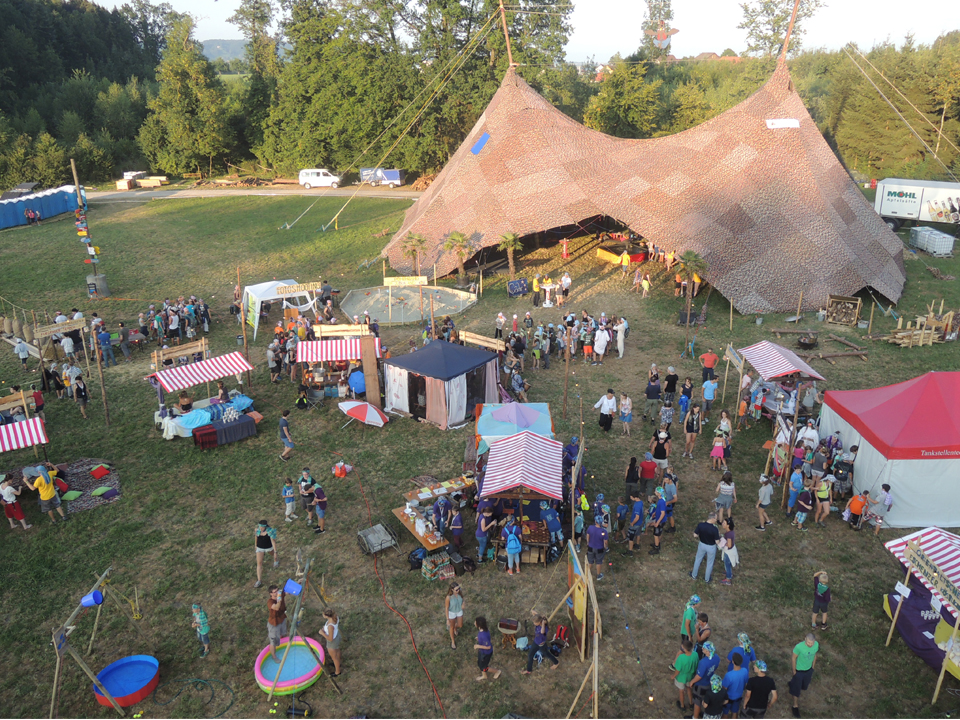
x,y
708,56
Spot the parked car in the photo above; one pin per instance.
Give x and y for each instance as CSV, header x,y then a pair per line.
x,y
318,177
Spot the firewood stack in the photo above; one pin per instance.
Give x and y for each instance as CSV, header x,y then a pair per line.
x,y
843,310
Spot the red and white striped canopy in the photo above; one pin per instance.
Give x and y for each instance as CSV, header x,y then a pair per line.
x,y
180,378
526,459
941,547
22,434
773,361
312,351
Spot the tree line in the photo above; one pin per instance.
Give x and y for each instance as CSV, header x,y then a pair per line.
x,y
332,84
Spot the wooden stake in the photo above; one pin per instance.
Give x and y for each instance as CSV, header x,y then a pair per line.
x,y
870,324
83,666
290,636
93,635
580,691
906,581
731,317
433,326
723,396
56,681
562,602
506,35
799,305
596,665
943,666
434,274
566,375
103,391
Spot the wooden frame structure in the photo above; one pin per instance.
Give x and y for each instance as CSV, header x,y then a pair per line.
x,y
201,346
582,596
331,331
292,632
496,344
61,642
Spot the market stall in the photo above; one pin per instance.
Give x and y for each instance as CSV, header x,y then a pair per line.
x,y
496,421
254,296
926,613
441,383
909,437
228,421
23,434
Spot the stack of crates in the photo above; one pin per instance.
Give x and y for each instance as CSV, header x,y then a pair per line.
x,y
932,241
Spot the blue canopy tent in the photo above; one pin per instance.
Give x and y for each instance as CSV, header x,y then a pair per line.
x,y
441,383
498,421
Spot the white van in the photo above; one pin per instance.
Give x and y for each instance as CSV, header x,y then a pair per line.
x,y
318,178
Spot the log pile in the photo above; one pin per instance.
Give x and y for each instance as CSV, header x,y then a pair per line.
x,y
842,310
423,182
914,337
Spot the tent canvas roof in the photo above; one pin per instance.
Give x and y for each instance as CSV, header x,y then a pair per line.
x,y
916,419
768,206
773,361
18,435
268,290
491,429
180,378
527,460
442,360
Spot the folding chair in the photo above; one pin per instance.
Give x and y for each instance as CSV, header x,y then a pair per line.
x,y
314,399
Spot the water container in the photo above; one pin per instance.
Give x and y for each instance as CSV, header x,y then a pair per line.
x,y
292,588
93,599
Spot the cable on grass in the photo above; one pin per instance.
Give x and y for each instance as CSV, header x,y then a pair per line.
x,y
383,589
198,684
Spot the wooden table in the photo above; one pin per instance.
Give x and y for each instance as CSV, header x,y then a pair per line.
x,y
410,524
436,490
538,538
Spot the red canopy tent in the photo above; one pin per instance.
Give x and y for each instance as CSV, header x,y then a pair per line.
x,y
19,435
774,361
185,376
528,463
312,351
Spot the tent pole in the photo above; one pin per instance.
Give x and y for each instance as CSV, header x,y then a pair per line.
x,y
943,666
243,327
566,375
906,581
103,390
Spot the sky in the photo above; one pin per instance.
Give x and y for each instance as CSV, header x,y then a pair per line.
x,y
602,28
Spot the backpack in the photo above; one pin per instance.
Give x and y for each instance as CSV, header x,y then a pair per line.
x,y
584,503
514,546
416,558
562,636
469,565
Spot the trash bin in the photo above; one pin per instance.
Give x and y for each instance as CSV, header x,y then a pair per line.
x,y
239,339
98,281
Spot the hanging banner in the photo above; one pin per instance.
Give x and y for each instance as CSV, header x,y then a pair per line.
x,y
303,287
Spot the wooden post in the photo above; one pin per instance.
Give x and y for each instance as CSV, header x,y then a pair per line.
x,y
294,617
799,305
434,274
390,304
86,668
26,413
93,635
103,390
481,283
870,324
562,602
596,665
566,375
506,35
368,354
420,288
731,317
580,691
723,397
788,465
906,581
243,328
56,682
433,327
946,659
384,272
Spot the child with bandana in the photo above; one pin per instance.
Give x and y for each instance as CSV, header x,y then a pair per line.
x,y
714,699
701,681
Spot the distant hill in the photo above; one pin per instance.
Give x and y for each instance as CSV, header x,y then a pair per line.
x,y
226,49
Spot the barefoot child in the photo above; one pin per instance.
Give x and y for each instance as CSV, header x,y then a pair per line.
x,y
453,605
484,648
202,625
684,670
821,599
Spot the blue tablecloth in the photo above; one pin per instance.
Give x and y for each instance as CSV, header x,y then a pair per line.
x,y
241,428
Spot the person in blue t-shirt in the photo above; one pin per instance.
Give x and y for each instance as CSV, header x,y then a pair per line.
x,y
705,669
623,516
441,513
734,683
659,519
709,394
635,526
551,521
796,487
745,649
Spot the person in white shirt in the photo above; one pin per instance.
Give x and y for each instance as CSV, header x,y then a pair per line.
x,y
60,318
68,347
77,315
608,408
621,329
809,435
600,341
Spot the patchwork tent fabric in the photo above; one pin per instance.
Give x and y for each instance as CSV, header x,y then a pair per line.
x,y
756,191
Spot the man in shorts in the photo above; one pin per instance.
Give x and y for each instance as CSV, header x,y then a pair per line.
x,y
670,497
635,525
276,620
598,542
804,660
709,392
38,478
285,437
659,520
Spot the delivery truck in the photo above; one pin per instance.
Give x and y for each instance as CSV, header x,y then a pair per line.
x,y
901,200
382,176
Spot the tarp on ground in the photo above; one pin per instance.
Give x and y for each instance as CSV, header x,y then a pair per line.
x,y
495,422
756,191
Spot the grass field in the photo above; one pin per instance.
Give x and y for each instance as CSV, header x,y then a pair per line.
x,y
182,530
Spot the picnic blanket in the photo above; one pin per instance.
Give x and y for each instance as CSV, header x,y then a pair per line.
x,y
77,476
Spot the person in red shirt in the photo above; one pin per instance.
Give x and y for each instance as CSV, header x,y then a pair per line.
x,y
38,401
709,361
648,474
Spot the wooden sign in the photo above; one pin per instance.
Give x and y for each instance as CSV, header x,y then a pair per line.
x,y
326,331
934,575
296,289
731,355
60,328
483,341
184,350
402,280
